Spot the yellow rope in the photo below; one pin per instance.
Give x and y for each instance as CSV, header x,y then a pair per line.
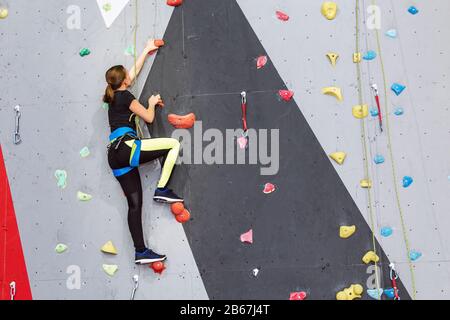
x,y
364,145
394,171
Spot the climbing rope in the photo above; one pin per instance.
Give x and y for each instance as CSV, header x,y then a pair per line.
x,y
137,119
393,167
364,145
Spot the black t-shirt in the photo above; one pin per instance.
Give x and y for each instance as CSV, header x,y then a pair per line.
x,y
119,112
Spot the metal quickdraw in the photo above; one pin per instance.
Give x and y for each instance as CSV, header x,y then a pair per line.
x,y
17,137
136,285
377,99
12,289
394,276
244,111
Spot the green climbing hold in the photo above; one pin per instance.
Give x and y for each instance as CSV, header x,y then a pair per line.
x,y
85,152
83,196
107,7
61,177
60,248
105,106
110,269
84,52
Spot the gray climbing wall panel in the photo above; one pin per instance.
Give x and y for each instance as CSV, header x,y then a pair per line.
x,y
60,96
417,58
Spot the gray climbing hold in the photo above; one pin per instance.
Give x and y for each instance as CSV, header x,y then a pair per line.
x,y
60,248
374,112
414,255
375,294
386,231
392,33
61,177
370,55
413,10
397,88
85,152
398,111
378,159
407,181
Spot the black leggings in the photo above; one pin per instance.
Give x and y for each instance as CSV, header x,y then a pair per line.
x,y
131,185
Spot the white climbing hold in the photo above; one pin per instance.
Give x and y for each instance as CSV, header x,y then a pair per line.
x,y
61,247
109,248
83,196
255,272
110,269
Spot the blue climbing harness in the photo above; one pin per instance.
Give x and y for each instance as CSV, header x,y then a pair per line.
x,y
119,134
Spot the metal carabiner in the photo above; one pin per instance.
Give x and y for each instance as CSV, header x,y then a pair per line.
x,y
12,291
17,137
136,285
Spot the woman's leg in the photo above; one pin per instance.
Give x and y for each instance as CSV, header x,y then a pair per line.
x,y
131,186
152,149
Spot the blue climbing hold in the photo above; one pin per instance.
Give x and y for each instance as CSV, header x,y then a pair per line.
x,y
414,255
375,294
413,10
407,181
378,159
392,33
389,293
398,88
370,55
386,231
398,111
374,112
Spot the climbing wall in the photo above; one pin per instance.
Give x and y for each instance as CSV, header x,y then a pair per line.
x,y
59,93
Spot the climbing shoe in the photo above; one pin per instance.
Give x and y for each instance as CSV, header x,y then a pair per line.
x,y
148,256
165,195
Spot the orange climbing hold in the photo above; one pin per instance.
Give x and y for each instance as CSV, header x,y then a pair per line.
x,y
183,217
158,43
181,122
158,267
174,3
177,208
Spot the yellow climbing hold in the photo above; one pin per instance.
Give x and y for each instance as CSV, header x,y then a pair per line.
x,y
333,91
109,248
353,292
333,58
365,183
3,13
329,10
346,231
110,269
339,157
369,257
357,57
360,111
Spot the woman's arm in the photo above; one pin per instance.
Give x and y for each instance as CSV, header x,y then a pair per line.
x,y
148,115
136,69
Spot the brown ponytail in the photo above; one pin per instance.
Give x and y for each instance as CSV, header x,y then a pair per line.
x,y
114,77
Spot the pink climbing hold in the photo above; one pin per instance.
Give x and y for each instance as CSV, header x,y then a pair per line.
x,y
242,141
282,16
269,188
247,237
298,295
286,95
261,62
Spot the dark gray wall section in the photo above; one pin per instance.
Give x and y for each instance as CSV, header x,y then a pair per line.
x,y
210,53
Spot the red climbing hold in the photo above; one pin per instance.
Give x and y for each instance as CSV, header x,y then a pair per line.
x,y
247,237
158,43
286,95
282,16
177,208
261,62
183,217
181,122
269,188
298,295
158,267
174,3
